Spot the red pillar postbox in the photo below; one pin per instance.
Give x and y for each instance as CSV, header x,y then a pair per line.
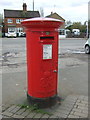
x,y
42,59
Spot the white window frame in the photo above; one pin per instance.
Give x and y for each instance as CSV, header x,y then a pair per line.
x,y
19,29
10,21
18,21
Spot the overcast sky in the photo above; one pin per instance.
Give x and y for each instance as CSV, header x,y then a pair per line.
x,y
73,10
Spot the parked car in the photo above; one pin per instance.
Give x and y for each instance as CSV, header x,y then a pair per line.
x,y
87,46
11,34
22,34
76,32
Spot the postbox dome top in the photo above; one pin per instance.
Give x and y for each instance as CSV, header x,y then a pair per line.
x,y
42,19
42,22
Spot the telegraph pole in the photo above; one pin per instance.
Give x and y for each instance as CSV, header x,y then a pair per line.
x,y
33,5
89,19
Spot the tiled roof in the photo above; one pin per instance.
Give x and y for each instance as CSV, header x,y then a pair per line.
x,y
55,15
20,13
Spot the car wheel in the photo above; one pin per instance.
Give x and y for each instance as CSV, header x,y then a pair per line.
x,y
87,49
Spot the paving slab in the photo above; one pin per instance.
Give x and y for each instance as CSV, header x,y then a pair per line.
x,y
15,110
45,116
20,111
17,116
31,115
25,113
39,115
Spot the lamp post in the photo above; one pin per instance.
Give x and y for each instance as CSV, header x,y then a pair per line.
x,y
89,19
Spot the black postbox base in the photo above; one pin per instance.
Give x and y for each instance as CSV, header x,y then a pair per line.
x,y
42,102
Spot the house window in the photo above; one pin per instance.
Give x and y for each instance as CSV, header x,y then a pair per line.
x,y
10,21
21,20
19,30
18,21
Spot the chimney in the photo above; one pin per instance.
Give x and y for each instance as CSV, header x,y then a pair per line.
x,y
24,7
51,13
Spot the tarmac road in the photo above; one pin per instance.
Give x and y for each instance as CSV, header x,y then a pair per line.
x,y
19,45
73,69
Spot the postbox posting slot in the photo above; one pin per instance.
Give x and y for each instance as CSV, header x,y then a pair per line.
x,y
47,38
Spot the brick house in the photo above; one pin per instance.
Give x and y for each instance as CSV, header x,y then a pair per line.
x,y
12,18
56,16
62,28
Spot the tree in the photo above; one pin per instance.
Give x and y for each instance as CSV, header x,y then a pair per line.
x,y
41,12
78,25
1,19
68,23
